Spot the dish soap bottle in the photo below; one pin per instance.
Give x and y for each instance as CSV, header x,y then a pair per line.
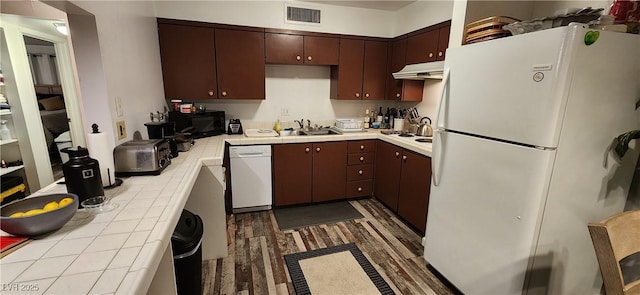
x,y
5,133
277,127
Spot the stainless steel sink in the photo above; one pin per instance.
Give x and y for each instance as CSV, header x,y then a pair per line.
x,y
319,131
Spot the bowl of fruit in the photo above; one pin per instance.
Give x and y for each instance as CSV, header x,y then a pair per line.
x,y
38,215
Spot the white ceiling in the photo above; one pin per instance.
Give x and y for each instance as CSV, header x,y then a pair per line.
x,y
380,5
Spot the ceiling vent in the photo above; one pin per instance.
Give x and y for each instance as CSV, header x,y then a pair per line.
x,y
302,15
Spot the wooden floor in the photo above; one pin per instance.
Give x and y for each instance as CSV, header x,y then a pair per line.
x,y
255,264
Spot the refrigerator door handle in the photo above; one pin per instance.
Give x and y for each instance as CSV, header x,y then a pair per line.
x,y
443,97
435,160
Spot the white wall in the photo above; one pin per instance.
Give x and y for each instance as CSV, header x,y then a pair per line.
x,y
128,36
421,14
271,14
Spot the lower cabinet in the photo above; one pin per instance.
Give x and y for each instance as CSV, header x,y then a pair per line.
x,y
309,172
360,163
402,182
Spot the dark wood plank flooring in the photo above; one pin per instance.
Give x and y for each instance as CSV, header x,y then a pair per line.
x,y
255,264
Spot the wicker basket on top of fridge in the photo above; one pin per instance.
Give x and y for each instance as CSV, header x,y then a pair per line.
x,y
487,29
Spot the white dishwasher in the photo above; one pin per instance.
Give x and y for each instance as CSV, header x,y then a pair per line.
x,y
251,186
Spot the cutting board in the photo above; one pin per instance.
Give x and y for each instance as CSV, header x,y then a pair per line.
x,y
260,133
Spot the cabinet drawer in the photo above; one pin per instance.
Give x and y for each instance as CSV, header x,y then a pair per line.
x,y
360,188
362,146
360,172
361,158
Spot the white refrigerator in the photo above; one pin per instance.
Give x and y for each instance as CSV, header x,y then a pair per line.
x,y
521,159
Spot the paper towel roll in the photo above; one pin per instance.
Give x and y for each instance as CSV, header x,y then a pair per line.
x,y
100,149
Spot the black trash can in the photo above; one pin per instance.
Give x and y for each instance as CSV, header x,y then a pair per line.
x,y
186,243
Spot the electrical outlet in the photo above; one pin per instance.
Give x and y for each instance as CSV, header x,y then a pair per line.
x,y
118,101
284,112
121,129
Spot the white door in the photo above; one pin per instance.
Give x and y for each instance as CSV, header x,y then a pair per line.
x,y
484,210
507,88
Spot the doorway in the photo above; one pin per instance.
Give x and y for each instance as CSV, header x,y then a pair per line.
x,y
50,98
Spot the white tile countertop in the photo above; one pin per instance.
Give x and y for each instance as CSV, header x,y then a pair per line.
x,y
118,252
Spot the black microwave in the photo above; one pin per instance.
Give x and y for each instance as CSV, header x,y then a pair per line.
x,y
200,124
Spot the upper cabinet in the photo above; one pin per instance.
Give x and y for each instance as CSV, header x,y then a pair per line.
x,y
207,61
428,44
425,45
188,61
361,72
240,64
297,49
215,61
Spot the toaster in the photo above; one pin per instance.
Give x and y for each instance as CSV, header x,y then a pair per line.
x,y
142,157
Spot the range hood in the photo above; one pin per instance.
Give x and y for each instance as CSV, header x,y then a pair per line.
x,y
430,70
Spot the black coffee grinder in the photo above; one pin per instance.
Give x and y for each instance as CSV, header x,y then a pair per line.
x,y
82,174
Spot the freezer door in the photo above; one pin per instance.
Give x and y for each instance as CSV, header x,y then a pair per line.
x,y
510,89
484,212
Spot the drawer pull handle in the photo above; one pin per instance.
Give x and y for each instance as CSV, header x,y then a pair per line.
x,y
360,172
430,54
317,149
397,154
309,57
210,92
359,189
224,93
366,95
357,94
404,158
307,150
361,147
440,53
298,57
361,159
397,94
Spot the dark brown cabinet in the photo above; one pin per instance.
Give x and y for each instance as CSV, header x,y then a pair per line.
x,y
240,64
401,90
292,173
309,172
209,61
402,182
415,184
443,41
188,61
329,170
360,169
387,174
422,47
290,48
361,73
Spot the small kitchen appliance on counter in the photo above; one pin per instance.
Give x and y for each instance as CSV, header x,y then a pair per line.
x,y
200,124
82,174
142,157
235,127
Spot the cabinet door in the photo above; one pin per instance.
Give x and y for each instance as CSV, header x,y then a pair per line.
x,y
329,170
402,90
347,77
292,171
443,42
375,70
188,61
415,183
321,50
284,49
387,175
241,65
398,50
422,47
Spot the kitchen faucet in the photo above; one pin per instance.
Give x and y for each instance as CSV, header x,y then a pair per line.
x,y
300,123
